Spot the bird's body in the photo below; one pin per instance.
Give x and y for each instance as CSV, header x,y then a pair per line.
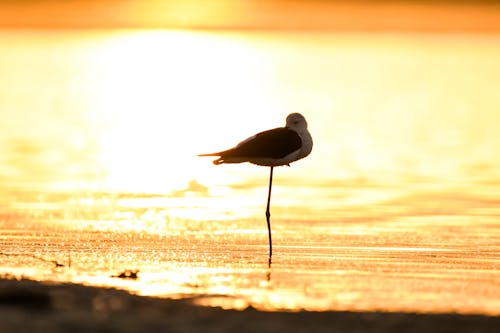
x,y
275,147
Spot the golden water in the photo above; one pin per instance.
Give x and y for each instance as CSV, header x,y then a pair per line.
x,y
396,209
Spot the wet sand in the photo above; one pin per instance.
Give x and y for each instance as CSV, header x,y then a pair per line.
x,y
30,306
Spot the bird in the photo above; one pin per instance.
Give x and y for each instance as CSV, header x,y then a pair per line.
x,y
275,147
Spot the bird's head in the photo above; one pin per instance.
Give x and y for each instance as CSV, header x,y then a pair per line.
x,y
296,121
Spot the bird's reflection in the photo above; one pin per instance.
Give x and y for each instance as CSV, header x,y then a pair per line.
x,y
268,273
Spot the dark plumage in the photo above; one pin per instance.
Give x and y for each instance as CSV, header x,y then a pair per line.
x,y
276,143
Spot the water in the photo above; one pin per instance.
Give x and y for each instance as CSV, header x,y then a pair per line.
x,y
396,208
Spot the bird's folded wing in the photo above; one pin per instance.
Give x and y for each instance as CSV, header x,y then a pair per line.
x,y
275,143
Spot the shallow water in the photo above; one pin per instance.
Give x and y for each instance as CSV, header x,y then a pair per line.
x,y
436,262
396,209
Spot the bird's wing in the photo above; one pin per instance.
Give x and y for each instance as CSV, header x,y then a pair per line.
x,y
275,143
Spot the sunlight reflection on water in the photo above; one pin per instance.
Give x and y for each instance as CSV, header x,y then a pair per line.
x,y
436,263
396,209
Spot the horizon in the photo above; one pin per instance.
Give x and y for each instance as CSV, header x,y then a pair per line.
x,y
406,16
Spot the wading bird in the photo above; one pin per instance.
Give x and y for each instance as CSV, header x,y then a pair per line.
x,y
275,147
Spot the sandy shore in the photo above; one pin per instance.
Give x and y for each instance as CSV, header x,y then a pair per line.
x,y
30,306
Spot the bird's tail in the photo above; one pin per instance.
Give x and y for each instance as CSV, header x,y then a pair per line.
x,y
211,154
218,161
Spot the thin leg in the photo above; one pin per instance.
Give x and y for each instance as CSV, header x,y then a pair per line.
x,y
268,215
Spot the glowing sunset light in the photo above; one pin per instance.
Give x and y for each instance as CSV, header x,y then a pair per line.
x,y
148,87
395,209
479,16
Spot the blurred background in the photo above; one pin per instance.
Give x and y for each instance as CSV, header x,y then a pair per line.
x,y
400,15
120,95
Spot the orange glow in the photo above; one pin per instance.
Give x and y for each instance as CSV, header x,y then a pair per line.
x,y
396,209
118,13
240,14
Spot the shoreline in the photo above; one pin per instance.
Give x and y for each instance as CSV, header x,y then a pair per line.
x,y
27,305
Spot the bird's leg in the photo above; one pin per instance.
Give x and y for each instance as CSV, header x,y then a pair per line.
x,y
268,215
